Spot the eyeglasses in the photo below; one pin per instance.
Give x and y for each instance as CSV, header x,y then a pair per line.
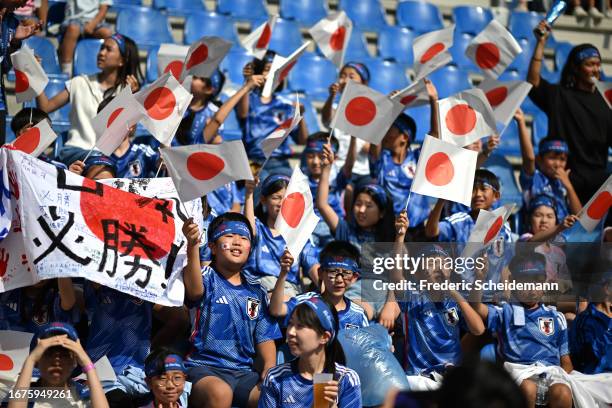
x,y
346,275
177,380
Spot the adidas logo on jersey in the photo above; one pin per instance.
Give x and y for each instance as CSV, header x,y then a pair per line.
x,y
289,400
222,300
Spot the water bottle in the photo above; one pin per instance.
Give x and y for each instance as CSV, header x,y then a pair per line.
x,y
555,11
541,391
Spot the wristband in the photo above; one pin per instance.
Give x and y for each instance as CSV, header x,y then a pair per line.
x,y
87,368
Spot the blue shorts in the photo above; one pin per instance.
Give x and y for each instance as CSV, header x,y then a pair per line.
x,y
81,23
241,382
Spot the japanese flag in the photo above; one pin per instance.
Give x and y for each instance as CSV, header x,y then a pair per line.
x,y
276,138
199,169
258,41
431,51
280,69
412,96
597,207
504,97
332,35
204,56
170,58
36,139
445,171
165,102
365,113
605,88
14,349
493,49
297,220
30,77
487,228
466,117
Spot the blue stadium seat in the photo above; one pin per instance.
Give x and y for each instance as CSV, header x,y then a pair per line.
x,y
388,76
60,118
509,144
471,19
249,10
151,75
45,49
460,43
522,23
395,43
521,62
121,4
198,25
367,15
499,165
539,128
56,13
233,63
146,26
313,75
305,12
449,80
357,48
562,50
286,37
85,56
422,118
310,113
179,7
419,16
8,132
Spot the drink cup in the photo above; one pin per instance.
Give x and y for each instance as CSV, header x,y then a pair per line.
x,y
319,382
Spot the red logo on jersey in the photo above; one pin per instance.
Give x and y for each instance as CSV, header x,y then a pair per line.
x,y
451,315
252,308
546,325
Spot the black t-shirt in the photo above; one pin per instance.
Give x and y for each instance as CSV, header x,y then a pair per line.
x,y
584,121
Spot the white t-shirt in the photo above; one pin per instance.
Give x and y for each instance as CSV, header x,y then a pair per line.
x,y
362,165
84,10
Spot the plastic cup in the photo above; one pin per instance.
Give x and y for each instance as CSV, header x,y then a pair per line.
x,y
319,380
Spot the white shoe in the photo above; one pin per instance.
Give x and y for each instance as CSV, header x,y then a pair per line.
x,y
580,12
595,13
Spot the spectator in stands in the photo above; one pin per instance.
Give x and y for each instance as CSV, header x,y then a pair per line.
x,y
56,352
577,113
546,173
166,378
231,323
312,338
579,11
268,245
119,65
96,167
83,18
33,11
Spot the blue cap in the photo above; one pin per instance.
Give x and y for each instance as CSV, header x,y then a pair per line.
x,y
558,146
54,329
406,125
270,180
100,160
158,366
231,227
361,69
323,312
540,200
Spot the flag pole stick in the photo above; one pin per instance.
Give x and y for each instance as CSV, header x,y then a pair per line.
x,y
408,200
89,154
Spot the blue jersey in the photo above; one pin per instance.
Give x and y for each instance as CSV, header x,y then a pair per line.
x,y
337,185
349,231
222,199
267,252
195,134
120,327
591,341
397,180
529,336
539,183
432,333
352,317
284,387
205,252
140,161
263,119
228,322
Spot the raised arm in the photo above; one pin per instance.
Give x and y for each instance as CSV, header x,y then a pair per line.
x,y
66,293
326,210
53,104
432,227
277,307
432,92
192,274
351,156
572,198
327,114
550,234
249,203
242,110
527,152
535,65
473,320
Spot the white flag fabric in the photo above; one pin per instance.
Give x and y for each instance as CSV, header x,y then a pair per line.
x,y
365,113
597,207
30,77
14,349
445,171
504,97
493,49
280,69
412,96
486,229
204,56
605,88
170,58
35,140
276,138
165,102
466,117
257,42
297,220
332,35
431,51
199,169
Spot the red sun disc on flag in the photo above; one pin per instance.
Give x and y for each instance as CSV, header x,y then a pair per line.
x,y
198,56
264,38
6,362
286,71
487,55
204,166
113,116
497,96
160,103
360,111
175,67
494,230
292,209
608,95
461,119
439,170
600,206
28,141
336,41
22,83
285,125
408,99
432,52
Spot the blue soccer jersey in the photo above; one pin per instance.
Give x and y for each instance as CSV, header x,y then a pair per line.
x,y
349,231
195,134
120,327
140,161
267,252
337,184
397,180
591,341
529,336
539,183
352,317
228,322
205,252
432,331
223,198
284,387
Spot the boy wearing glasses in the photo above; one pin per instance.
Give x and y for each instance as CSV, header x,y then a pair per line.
x,y
166,378
339,269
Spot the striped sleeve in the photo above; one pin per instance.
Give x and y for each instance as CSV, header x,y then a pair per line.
x,y
349,388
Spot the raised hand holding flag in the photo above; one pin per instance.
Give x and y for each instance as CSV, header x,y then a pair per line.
x,y
493,49
30,77
280,69
431,51
332,35
276,138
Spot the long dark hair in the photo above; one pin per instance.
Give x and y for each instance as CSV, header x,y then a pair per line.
x,y
333,349
571,68
131,66
275,187
385,227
